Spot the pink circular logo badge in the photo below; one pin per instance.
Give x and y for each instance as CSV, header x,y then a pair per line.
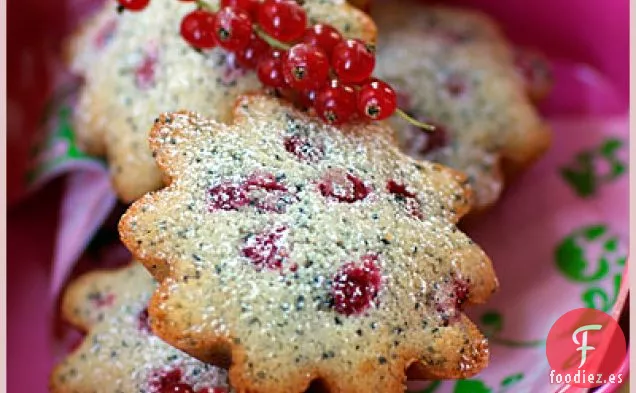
x,y
585,348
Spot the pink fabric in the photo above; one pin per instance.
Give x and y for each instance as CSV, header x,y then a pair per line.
x,y
583,31
588,45
87,202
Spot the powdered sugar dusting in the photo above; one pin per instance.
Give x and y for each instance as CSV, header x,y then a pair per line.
x,y
119,353
454,68
127,85
262,279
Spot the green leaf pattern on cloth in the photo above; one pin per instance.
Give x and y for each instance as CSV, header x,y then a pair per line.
x,y
477,385
585,174
471,386
572,260
589,255
598,298
511,380
59,145
492,323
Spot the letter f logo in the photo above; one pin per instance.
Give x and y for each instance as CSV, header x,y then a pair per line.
x,y
584,347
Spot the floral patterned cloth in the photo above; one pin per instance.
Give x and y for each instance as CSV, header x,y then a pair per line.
x,y
558,238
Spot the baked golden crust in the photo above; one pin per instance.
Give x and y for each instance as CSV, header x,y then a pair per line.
x,y
252,235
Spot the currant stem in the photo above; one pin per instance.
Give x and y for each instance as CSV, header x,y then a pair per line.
x,y
274,43
203,4
416,123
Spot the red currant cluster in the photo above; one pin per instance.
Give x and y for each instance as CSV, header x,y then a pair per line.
x,y
313,66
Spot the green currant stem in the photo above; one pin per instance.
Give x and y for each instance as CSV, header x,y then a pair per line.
x,y
416,123
203,4
274,43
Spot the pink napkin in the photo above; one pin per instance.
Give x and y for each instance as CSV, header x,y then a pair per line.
x,y
559,242
558,238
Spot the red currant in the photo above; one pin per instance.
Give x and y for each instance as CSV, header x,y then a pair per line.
x,y
145,72
376,100
450,298
306,99
270,69
142,321
322,36
227,196
177,388
134,5
353,61
406,197
267,194
302,99
170,378
455,85
249,6
335,103
343,187
197,28
264,181
284,20
233,28
305,67
461,292
304,148
266,249
355,287
249,56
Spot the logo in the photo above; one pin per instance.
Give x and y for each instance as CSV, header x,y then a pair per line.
x,y
585,348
